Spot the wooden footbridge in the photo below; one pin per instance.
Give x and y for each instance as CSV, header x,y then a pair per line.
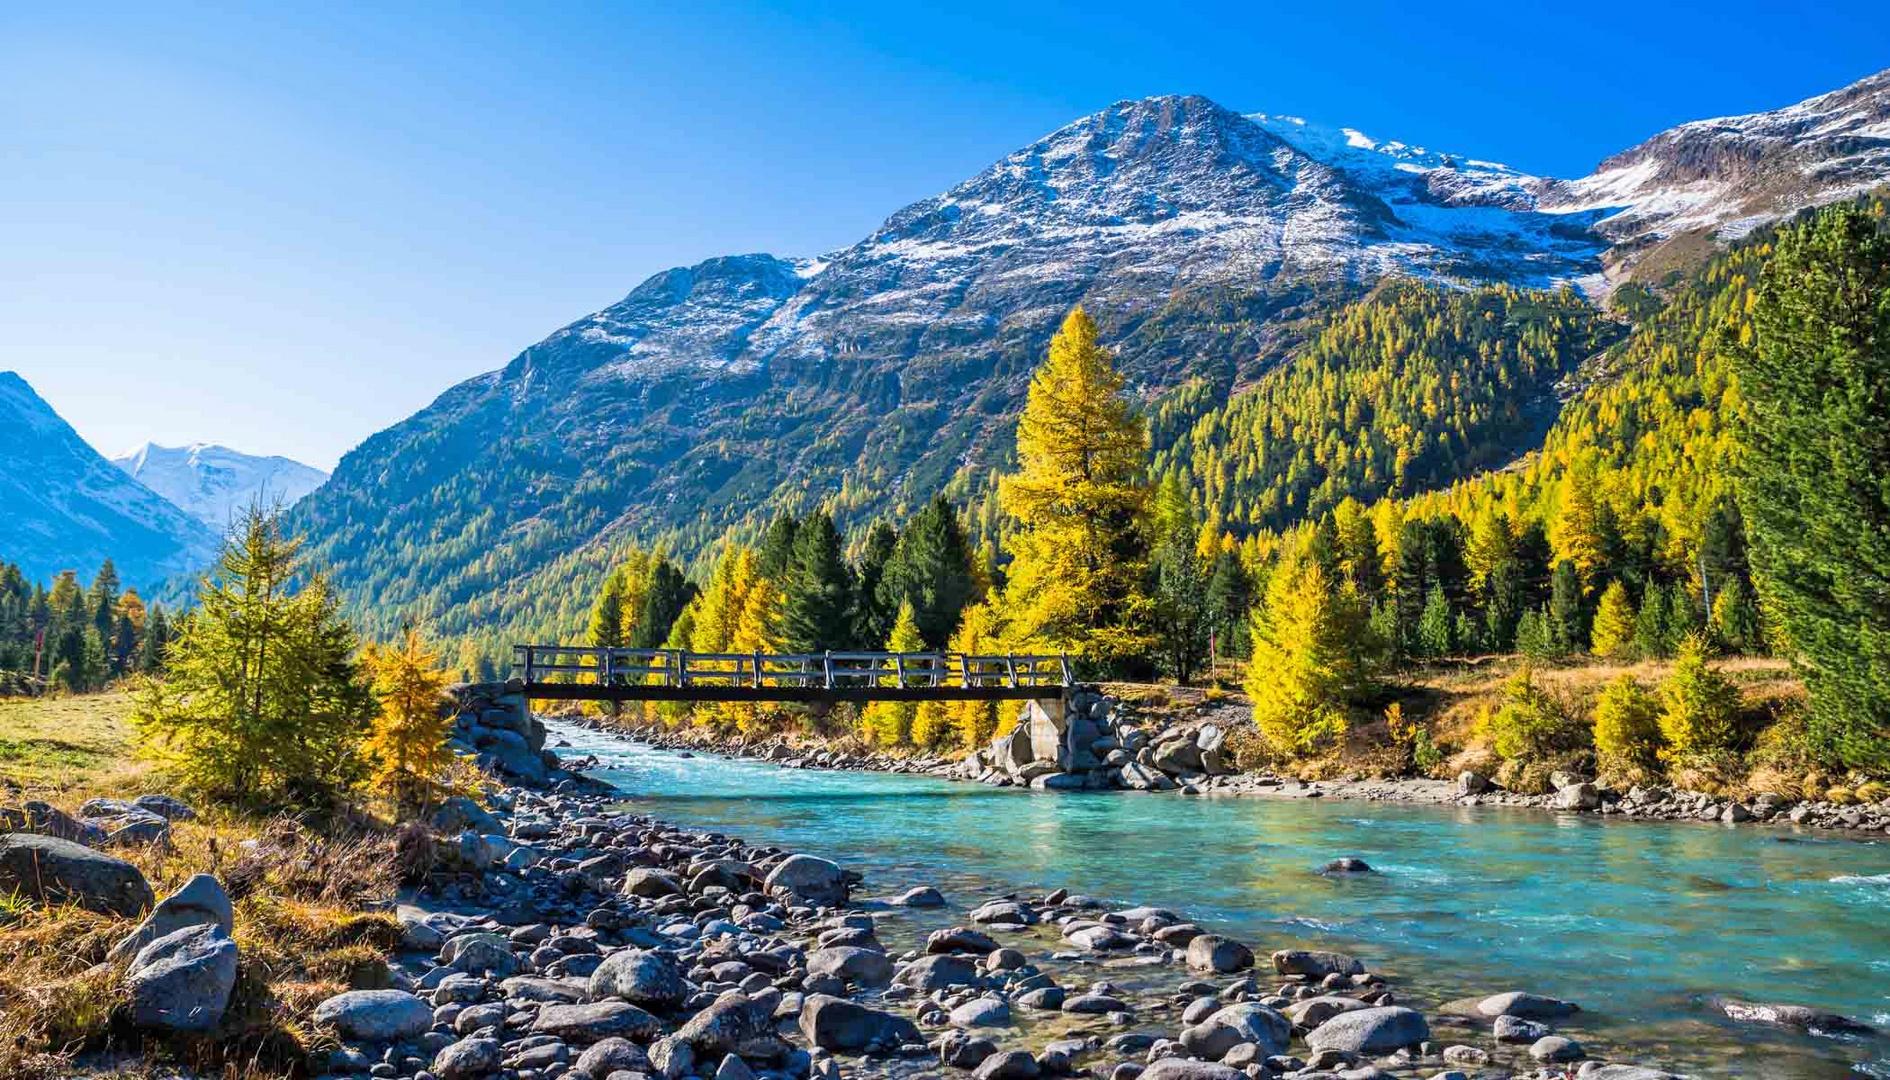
x,y
579,673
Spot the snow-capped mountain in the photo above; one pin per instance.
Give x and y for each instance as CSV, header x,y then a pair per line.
x,y
212,483
1720,179
67,508
715,395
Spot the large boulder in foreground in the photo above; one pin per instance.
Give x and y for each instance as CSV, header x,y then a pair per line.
x,y
182,981
734,1024
833,1023
1245,1022
811,880
49,870
1371,1031
201,901
1214,953
647,979
376,1015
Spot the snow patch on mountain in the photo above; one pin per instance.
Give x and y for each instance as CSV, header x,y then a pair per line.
x,y
215,483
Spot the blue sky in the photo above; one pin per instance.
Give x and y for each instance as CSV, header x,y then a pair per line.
x,y
286,229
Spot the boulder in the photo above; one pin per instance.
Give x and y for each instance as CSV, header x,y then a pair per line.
x,y
960,939
200,901
165,807
861,967
832,1023
1245,1022
1578,796
468,1059
1371,1031
982,1012
376,1015
649,980
672,1058
598,1020
1175,1068
182,981
650,884
734,1024
1177,756
936,972
924,896
139,833
1311,1012
1348,865
959,1050
46,819
815,881
1008,1065
1526,1006
1555,1048
1316,963
1472,783
49,870
1800,1016
613,1055
1012,751
1214,953
460,813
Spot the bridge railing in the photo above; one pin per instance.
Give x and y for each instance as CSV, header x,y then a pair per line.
x,y
553,664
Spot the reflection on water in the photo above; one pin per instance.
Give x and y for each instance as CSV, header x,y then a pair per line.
x,y
1638,922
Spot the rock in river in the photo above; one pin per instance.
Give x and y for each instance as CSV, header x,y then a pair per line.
x,y
833,1023
1212,952
1371,1031
1317,963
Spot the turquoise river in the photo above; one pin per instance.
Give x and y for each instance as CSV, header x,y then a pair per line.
x,y
1640,923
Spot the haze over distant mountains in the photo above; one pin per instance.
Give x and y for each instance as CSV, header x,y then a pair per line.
x,y
212,483
715,395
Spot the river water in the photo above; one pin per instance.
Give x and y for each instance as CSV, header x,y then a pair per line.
x,y
1638,922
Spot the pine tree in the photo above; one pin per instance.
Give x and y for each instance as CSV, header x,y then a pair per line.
x,y
777,547
930,568
1736,618
1568,610
406,744
263,697
1615,622
663,602
819,609
157,639
1650,623
1310,659
1536,637
873,620
1700,705
889,723
606,625
1815,486
1076,579
1182,614
1436,624
1229,598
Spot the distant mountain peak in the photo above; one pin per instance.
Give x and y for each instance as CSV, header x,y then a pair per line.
x,y
213,483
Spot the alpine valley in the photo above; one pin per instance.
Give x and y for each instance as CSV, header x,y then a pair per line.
x,y
1228,258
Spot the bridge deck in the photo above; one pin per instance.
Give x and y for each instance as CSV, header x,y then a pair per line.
x,y
581,673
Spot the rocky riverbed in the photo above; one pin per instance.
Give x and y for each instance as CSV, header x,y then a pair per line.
x,y
1102,743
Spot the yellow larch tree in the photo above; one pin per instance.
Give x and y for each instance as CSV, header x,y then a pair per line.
x,y
1309,660
1613,633
407,743
1079,498
889,723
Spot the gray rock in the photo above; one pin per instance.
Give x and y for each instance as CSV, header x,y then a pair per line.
x,y
598,1020
929,973
1043,999
1472,783
1008,1065
733,1068
49,870
1214,953
104,808
734,1024
1244,1022
1578,796
1627,1072
165,807
982,1012
1348,865
673,1058
650,980
140,833
200,900
45,819
182,981
468,1059
650,884
832,1023
1526,1006
812,880
1557,1048
1514,1029
1174,1068
1094,1003
487,954
1753,1012
958,1050
924,896
1102,938
375,1015
613,1055
1371,1031
459,814
861,967
1312,1012
959,939
1317,963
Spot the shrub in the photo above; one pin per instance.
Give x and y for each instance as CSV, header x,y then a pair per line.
x,y
1872,791
407,743
1627,723
1529,725
1842,796
1701,705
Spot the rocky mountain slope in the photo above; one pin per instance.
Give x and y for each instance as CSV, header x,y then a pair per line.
x,y
211,483
67,508
716,395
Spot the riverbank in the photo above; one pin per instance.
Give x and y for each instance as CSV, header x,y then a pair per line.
x,y
1574,794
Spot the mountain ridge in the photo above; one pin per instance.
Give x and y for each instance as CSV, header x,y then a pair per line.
x,y
212,483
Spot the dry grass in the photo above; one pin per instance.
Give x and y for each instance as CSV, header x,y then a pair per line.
x,y
308,898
